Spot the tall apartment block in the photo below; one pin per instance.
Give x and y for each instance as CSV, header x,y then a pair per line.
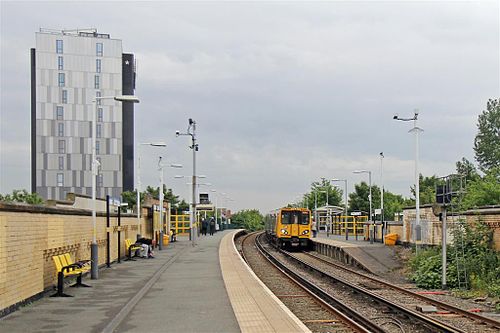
x,y
68,70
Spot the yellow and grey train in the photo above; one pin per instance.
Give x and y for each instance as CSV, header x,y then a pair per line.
x,y
289,227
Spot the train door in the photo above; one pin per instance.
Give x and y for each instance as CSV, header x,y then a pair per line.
x,y
295,224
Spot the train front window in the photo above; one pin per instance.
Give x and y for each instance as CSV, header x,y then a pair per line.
x,y
286,218
304,218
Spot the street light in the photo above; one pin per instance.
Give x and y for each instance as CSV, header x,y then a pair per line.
x,y
417,130
160,193
382,218
370,199
316,208
215,208
138,189
94,257
345,202
191,131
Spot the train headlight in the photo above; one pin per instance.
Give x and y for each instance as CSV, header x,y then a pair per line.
x,y
305,232
283,231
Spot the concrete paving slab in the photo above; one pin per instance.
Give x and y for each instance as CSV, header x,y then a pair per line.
x,y
377,258
190,286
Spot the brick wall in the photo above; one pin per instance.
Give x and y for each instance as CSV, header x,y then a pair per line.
x,y
31,235
431,226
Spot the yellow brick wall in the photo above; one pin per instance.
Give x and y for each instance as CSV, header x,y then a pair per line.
x,y
433,235
28,240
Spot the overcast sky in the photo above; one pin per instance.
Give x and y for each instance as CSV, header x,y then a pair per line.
x,y
283,93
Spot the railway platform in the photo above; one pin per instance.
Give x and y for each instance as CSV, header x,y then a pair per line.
x,y
376,258
185,288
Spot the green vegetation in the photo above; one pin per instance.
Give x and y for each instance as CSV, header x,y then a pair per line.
x,y
250,219
319,192
23,196
480,261
486,143
393,203
130,197
483,191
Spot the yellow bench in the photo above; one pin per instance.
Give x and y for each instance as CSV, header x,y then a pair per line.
x,y
66,267
131,247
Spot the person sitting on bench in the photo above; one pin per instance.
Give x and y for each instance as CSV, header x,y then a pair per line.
x,y
145,243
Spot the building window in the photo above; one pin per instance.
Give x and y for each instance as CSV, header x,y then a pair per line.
x,y
59,113
96,81
60,179
98,165
60,63
64,97
60,129
98,65
98,49
62,147
61,162
98,129
62,79
99,115
98,94
98,147
59,46
99,180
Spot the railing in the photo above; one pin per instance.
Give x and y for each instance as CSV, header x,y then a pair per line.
x,y
354,225
180,224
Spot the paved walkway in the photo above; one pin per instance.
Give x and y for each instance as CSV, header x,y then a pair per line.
x,y
376,258
257,309
182,287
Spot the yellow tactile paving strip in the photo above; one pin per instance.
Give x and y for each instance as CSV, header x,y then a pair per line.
x,y
256,308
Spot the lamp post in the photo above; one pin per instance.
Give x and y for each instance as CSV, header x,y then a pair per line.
x,y
382,218
138,189
94,257
416,130
191,131
369,198
345,202
160,193
316,209
215,208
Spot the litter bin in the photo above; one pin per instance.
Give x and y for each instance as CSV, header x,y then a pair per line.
x,y
390,239
166,239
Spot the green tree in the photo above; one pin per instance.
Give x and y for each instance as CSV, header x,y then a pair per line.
x,y
250,219
23,196
168,195
483,191
427,189
467,169
319,190
394,203
130,197
487,141
359,199
182,206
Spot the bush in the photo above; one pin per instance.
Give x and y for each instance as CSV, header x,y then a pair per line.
x,y
471,250
22,196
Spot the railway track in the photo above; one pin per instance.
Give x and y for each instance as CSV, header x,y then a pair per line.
x,y
379,310
299,296
457,317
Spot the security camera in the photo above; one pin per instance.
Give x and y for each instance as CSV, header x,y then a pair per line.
x,y
190,121
395,116
177,133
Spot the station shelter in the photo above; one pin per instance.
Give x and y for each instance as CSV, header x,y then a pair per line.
x,y
332,220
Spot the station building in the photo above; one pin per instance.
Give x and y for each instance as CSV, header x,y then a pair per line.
x,y
69,69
